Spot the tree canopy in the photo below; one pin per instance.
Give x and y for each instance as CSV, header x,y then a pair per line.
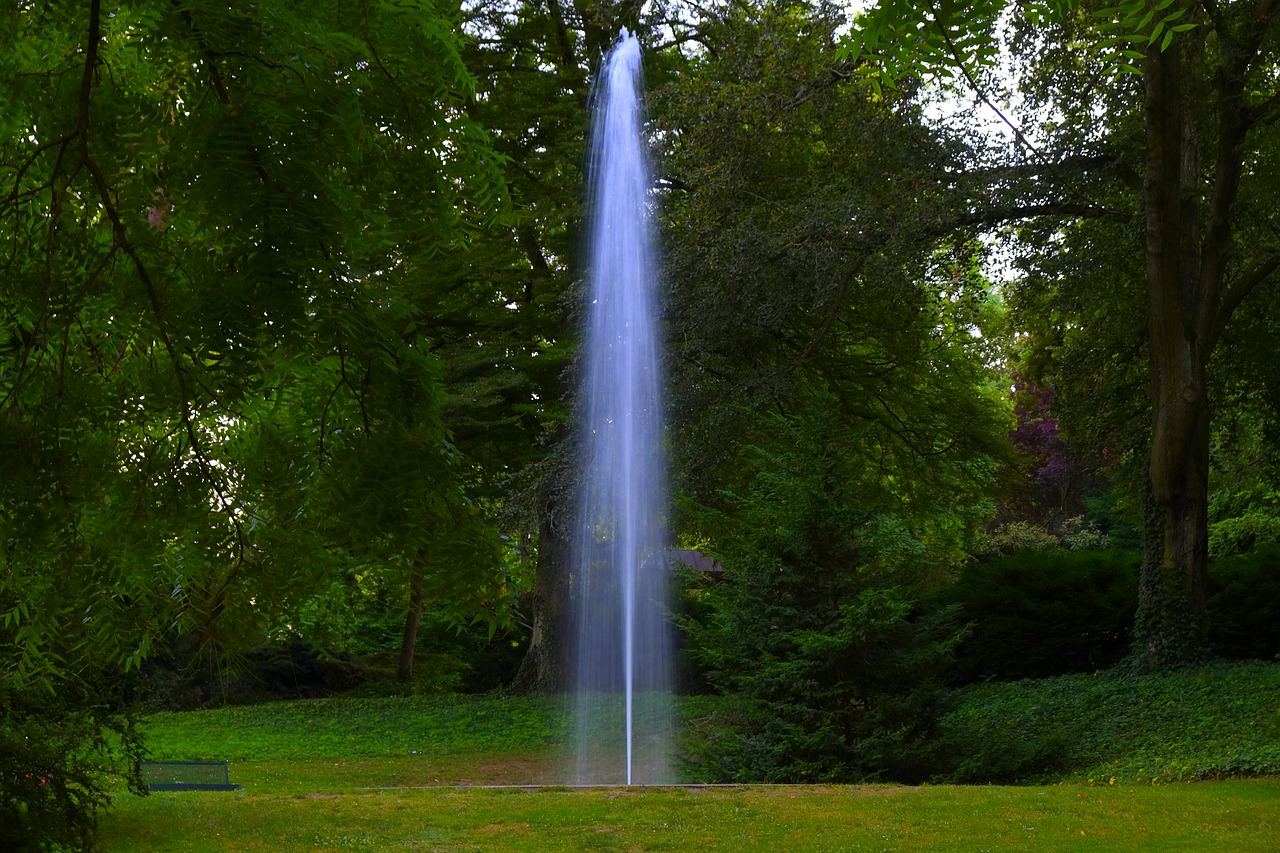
x,y
220,232
1204,103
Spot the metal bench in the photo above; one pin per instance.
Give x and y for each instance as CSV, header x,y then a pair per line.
x,y
186,776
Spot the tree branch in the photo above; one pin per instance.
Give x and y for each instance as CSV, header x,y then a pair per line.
x,y
1114,165
1214,12
1061,209
106,196
1264,113
1019,136
1236,291
215,78
21,170
1233,128
377,57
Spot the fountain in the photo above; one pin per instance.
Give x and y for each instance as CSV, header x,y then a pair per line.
x,y
623,641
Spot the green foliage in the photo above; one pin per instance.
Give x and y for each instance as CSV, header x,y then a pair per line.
x,y
1041,613
1206,723
1223,63
836,422
902,39
808,256
1079,535
812,627
207,342
896,38
1136,26
220,226
852,699
1242,533
1017,537
1256,525
360,611
56,753
1244,591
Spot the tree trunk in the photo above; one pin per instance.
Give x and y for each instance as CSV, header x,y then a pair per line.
x,y
412,620
1171,628
544,668
1189,245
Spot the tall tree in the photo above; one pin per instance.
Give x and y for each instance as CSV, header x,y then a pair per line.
x,y
837,424
1209,103
813,241
216,228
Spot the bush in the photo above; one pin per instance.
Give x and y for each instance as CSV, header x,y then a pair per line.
x,y
813,629
1244,593
1238,535
1048,613
1017,537
1213,722
56,753
182,676
1076,535
1043,613
299,670
852,700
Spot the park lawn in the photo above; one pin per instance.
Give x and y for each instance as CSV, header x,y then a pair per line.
x,y
385,774
345,775
1235,815
346,727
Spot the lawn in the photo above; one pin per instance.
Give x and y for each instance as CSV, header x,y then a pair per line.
x,y
392,774
1236,815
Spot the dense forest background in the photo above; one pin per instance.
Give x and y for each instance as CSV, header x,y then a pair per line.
x,y
290,305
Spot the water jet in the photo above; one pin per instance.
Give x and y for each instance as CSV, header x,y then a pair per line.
x,y
622,639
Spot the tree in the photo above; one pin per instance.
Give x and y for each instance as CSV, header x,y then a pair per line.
x,y
532,64
805,251
218,232
1208,99
812,628
837,425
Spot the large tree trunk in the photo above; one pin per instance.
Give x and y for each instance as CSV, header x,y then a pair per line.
x,y
1188,211
1171,627
412,620
545,664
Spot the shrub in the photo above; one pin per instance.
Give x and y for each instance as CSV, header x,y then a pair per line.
x,y
1041,614
56,751
1244,591
1017,537
184,676
854,700
1045,613
813,628
300,670
1076,535
1216,721
1256,527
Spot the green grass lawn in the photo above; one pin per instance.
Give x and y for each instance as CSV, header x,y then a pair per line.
x,y
1235,815
385,774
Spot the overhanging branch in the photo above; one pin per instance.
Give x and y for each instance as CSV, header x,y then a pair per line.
x,y
1255,274
121,238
